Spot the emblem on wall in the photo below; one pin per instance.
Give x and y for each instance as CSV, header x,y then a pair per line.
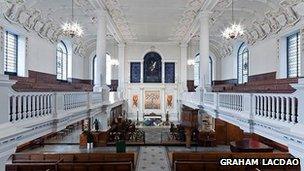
x,y
169,101
135,101
152,100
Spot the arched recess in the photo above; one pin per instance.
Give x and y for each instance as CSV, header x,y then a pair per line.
x,y
211,69
152,68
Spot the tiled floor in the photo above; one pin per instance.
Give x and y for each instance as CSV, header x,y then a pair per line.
x,y
150,158
72,137
153,158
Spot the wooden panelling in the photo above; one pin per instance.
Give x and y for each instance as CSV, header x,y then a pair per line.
x,y
262,83
190,86
226,132
72,162
207,161
41,82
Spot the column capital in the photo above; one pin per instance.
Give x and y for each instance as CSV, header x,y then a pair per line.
x,y
183,45
204,14
121,45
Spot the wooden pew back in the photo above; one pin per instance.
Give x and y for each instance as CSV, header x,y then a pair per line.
x,y
198,161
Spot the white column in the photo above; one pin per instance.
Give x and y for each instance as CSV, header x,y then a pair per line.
x,y
2,76
183,67
121,68
204,51
100,71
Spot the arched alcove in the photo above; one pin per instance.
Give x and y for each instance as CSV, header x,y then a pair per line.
x,y
152,68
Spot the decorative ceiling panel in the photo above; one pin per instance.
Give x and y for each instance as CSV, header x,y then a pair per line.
x,y
114,8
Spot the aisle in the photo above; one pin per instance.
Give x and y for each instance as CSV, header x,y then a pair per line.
x,y
153,158
153,135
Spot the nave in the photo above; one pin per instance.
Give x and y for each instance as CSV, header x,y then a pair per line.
x,y
124,85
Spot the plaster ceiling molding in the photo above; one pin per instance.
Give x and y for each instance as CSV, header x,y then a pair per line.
x,y
119,19
218,10
274,21
224,47
86,7
32,19
187,19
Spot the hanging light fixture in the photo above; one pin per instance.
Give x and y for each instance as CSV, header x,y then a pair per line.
x,y
72,28
234,30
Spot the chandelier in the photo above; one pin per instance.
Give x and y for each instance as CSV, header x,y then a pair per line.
x,y
72,28
234,30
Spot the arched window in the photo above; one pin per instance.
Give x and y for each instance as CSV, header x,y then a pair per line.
x,y
62,61
93,70
197,70
108,69
243,64
152,68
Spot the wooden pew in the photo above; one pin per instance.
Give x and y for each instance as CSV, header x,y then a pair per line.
x,y
71,162
197,161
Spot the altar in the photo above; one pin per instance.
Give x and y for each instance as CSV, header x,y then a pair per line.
x,y
155,99
153,87
152,119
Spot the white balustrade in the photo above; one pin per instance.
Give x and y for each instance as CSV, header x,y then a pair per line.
x,y
29,105
231,101
73,100
192,97
210,99
96,98
276,107
279,107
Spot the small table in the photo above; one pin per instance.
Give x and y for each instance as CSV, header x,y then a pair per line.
x,y
249,145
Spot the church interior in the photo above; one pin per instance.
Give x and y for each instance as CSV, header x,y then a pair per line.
x,y
151,85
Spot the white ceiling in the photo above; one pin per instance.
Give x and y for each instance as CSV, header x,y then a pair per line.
x,y
158,20
153,20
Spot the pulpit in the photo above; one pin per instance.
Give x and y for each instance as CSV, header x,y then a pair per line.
x,y
189,120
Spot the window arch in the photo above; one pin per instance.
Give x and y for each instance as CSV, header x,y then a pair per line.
x,y
152,68
242,64
108,69
94,69
197,70
62,61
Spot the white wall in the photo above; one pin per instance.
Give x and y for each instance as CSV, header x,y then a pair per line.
x,y
263,57
268,55
41,53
